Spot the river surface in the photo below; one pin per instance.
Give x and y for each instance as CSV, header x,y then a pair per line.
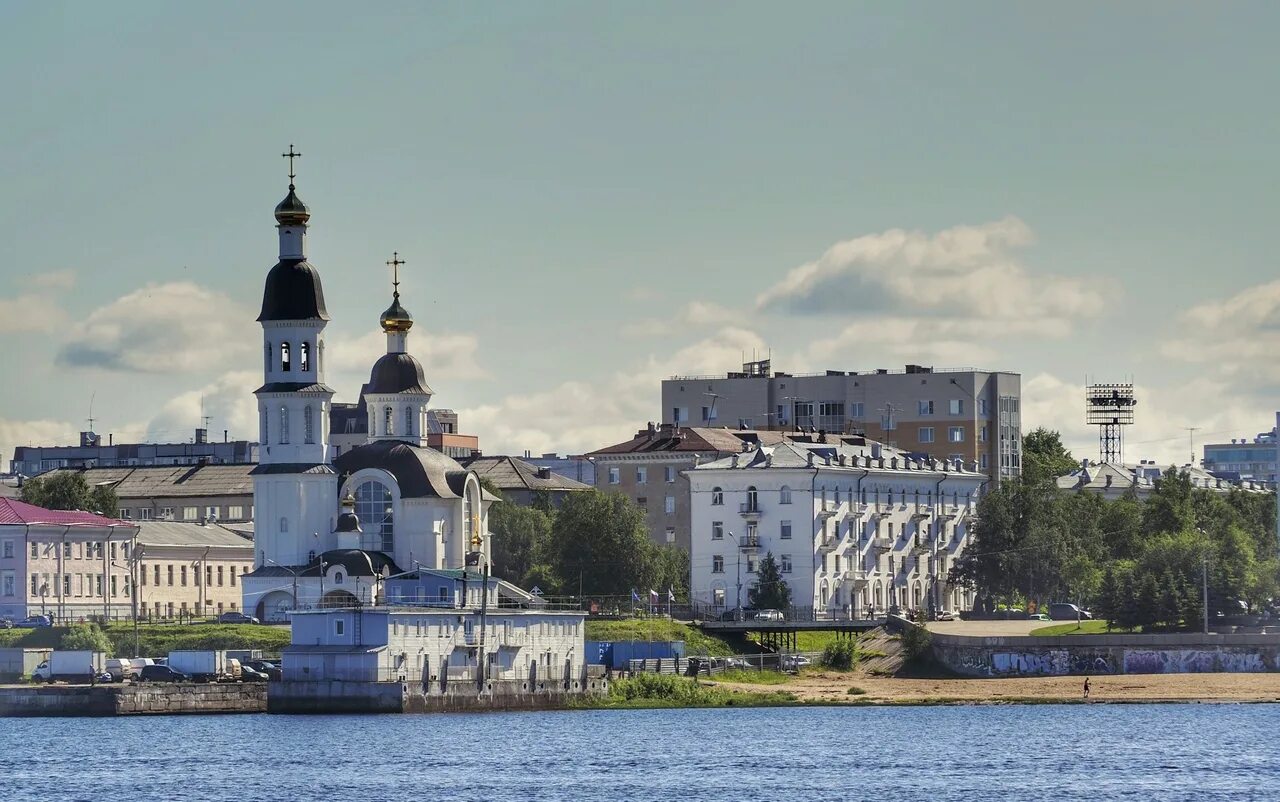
x,y
1036,752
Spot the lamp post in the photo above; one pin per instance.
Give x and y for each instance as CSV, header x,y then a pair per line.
x,y
737,611
132,568
295,581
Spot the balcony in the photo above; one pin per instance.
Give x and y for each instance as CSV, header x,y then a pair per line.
x,y
467,638
827,543
855,577
515,638
827,512
920,545
750,510
881,544
749,543
921,514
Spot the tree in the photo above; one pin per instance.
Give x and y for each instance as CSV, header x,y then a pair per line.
x,y
87,638
770,591
1044,458
519,536
68,490
599,543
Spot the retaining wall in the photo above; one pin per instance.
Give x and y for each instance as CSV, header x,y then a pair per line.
x,y
129,700
397,697
1106,654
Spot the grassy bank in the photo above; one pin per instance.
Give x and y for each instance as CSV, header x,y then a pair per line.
x,y
662,629
160,639
1072,628
665,691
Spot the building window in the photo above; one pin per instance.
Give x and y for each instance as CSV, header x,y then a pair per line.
x,y
190,513
170,567
374,510
753,499
784,495
857,409
233,576
235,513
717,499
308,424
8,586
614,476
955,434
66,550
717,530
925,407
669,505
671,534
35,551
124,513
388,422
408,421
304,357
338,627
982,433
717,564
955,406
642,475
784,530
144,513
984,408
926,434
284,425
670,474
183,574
784,563
338,578
751,565
8,550
982,462
284,357
266,362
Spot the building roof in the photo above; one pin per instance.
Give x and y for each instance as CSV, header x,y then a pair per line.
x,y
691,439
17,512
421,472
1104,476
171,480
397,373
175,533
842,452
509,473
293,292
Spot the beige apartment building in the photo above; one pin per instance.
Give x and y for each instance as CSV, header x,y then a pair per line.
x,y
184,493
966,414
186,569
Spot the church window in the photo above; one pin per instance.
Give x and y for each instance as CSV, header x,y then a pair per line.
x,y
284,524
311,556
374,511
267,357
304,357
265,438
338,578
284,356
309,423
408,420
388,427
284,425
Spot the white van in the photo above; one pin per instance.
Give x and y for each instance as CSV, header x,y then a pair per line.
x,y
120,668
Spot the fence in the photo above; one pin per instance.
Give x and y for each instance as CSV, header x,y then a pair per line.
x,y
711,666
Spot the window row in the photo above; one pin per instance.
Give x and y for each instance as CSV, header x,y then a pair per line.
x,y
64,585
286,351
72,550
157,573
955,434
283,431
231,512
385,425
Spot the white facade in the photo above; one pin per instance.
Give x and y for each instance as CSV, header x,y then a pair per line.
x,y
855,527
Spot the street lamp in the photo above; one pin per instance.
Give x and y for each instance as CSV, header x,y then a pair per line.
x,y
134,556
295,580
737,614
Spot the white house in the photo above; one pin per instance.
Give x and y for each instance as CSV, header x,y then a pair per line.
x,y
856,527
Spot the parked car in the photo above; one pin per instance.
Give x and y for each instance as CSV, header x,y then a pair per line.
x,y
249,675
35,622
944,615
733,615
120,668
795,662
161,674
1062,611
140,663
769,615
237,618
263,667
1038,617
6,623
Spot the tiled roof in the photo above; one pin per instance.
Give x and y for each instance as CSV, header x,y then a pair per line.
x,y
509,473
13,511
172,480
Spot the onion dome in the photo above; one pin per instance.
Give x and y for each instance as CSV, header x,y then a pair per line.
x,y
293,292
292,211
396,318
397,373
347,521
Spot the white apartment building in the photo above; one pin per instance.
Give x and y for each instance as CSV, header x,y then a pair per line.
x,y
854,525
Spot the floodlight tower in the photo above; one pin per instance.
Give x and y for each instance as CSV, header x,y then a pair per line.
x,y
1110,408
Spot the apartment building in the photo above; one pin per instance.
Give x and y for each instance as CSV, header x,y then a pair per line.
x,y
186,569
947,414
190,493
93,453
649,469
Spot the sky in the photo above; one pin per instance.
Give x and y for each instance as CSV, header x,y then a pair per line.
x,y
591,196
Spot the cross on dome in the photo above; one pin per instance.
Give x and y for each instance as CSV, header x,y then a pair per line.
x,y
291,156
396,319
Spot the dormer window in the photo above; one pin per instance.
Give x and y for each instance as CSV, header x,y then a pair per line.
x,y
284,357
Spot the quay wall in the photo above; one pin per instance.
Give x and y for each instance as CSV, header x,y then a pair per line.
x,y
132,700
335,696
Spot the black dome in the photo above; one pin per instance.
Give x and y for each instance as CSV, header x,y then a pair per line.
x,y
293,292
348,522
355,562
420,472
397,373
292,211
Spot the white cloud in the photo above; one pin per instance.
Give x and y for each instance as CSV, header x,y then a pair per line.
x,y
964,271
15,433
695,314
879,339
178,327
1237,337
578,416
444,355
228,401
30,313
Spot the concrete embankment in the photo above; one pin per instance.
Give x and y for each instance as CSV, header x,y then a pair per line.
x,y
397,697
130,700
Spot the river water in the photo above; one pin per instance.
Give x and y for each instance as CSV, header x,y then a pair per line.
x,y
1036,752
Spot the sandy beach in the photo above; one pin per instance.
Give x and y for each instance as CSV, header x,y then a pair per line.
x,y
823,686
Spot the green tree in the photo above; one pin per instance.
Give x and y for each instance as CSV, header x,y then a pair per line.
x,y
88,638
1044,458
519,534
599,543
770,591
68,490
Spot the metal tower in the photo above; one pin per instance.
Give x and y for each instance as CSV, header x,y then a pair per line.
x,y
1110,408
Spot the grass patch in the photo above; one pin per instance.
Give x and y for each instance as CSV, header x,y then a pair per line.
x,y
1072,628
157,640
856,691
696,642
664,690
752,677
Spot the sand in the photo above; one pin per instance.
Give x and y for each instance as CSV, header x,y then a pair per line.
x,y
826,686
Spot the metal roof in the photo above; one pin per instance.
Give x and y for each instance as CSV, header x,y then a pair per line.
x,y
174,533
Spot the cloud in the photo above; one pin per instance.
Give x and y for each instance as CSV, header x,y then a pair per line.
x,y
946,341
178,327
30,313
964,271
579,416
15,433
1236,338
695,314
444,355
52,280
228,401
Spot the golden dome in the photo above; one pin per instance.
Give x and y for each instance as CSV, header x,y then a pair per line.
x,y
396,318
292,211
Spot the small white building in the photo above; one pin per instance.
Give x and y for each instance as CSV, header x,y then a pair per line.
x,y
854,525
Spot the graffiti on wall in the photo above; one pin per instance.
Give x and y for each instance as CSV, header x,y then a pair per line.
x,y
1190,661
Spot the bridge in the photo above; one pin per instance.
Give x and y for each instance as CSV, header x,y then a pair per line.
x,y
782,634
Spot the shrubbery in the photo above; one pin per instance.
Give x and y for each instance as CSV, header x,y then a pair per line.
x,y
87,638
915,642
840,655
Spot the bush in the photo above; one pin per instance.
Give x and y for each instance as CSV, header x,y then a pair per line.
x,y
915,642
88,638
856,691
840,655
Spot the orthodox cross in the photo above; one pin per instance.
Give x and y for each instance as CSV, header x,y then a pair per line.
x,y
291,156
395,263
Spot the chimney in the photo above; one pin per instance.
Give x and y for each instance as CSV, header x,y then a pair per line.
x,y
544,473
875,450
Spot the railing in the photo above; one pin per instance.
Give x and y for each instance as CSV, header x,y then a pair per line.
x,y
827,543
749,508
881,544
855,576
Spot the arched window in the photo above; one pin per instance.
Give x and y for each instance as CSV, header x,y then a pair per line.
x,y
374,510
717,496
338,578
753,499
304,357
468,511
784,495
309,423
284,356
408,421
388,422
284,425
311,556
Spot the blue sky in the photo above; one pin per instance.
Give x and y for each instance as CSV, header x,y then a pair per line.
x,y
591,196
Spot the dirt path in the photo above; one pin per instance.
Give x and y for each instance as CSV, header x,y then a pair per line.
x,y
824,686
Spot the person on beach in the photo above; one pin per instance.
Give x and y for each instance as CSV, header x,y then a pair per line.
x,y
1086,687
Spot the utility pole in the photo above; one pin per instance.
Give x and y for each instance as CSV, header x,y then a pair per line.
x,y
1191,440
1204,580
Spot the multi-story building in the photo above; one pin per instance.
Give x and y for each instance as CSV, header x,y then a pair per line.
x,y
91,453
856,528
1113,480
202,492
1244,459
186,569
947,414
521,483
649,469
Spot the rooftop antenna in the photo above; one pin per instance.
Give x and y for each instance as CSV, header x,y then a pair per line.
x,y
92,396
1191,438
